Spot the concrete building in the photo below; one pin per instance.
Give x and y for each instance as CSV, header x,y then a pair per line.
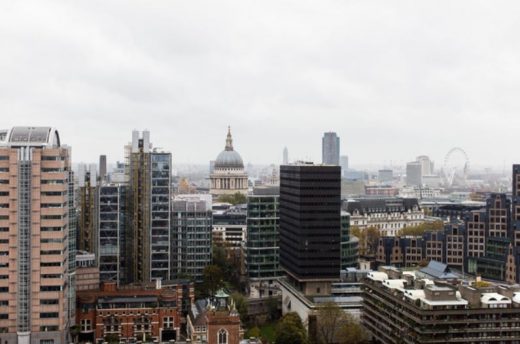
x,y
381,190
147,241
262,256
330,149
103,169
445,246
229,225
385,176
34,242
389,215
403,307
228,175
142,312
343,162
87,215
414,173
191,221
87,272
426,165
420,192
346,292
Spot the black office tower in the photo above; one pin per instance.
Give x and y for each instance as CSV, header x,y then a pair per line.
x,y
310,221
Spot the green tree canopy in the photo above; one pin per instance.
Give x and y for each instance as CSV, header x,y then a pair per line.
x,y
236,198
241,306
368,239
290,330
421,229
213,280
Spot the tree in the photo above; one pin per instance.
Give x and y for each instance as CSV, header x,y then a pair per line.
x,y
236,198
253,332
273,308
241,306
213,280
421,229
329,317
226,260
351,332
368,239
290,330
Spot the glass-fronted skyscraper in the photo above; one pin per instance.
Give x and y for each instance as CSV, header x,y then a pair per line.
x,y
148,212
111,232
191,223
262,249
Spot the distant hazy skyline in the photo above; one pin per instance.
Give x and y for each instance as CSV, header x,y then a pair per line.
x,y
394,79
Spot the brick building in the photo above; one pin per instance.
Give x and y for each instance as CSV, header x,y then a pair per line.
x,y
149,311
214,321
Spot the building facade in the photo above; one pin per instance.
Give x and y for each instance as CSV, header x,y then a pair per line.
x,y
144,312
214,321
191,221
414,173
34,236
389,215
262,248
310,222
406,308
228,175
111,232
148,207
87,201
330,149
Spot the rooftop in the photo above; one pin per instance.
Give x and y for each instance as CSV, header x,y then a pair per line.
x,y
440,293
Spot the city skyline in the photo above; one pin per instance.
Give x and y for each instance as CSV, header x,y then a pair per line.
x,y
380,79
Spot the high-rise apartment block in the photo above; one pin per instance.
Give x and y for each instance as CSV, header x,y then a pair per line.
x,y
285,156
148,242
111,232
191,221
343,162
330,149
414,173
262,249
310,222
34,236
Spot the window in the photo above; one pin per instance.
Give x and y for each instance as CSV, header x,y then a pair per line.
x,y
46,341
85,325
48,328
47,315
168,322
50,288
49,301
222,336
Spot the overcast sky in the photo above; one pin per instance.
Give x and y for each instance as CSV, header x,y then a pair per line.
x,y
394,79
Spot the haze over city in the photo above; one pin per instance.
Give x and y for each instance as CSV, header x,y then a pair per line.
x,y
393,79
